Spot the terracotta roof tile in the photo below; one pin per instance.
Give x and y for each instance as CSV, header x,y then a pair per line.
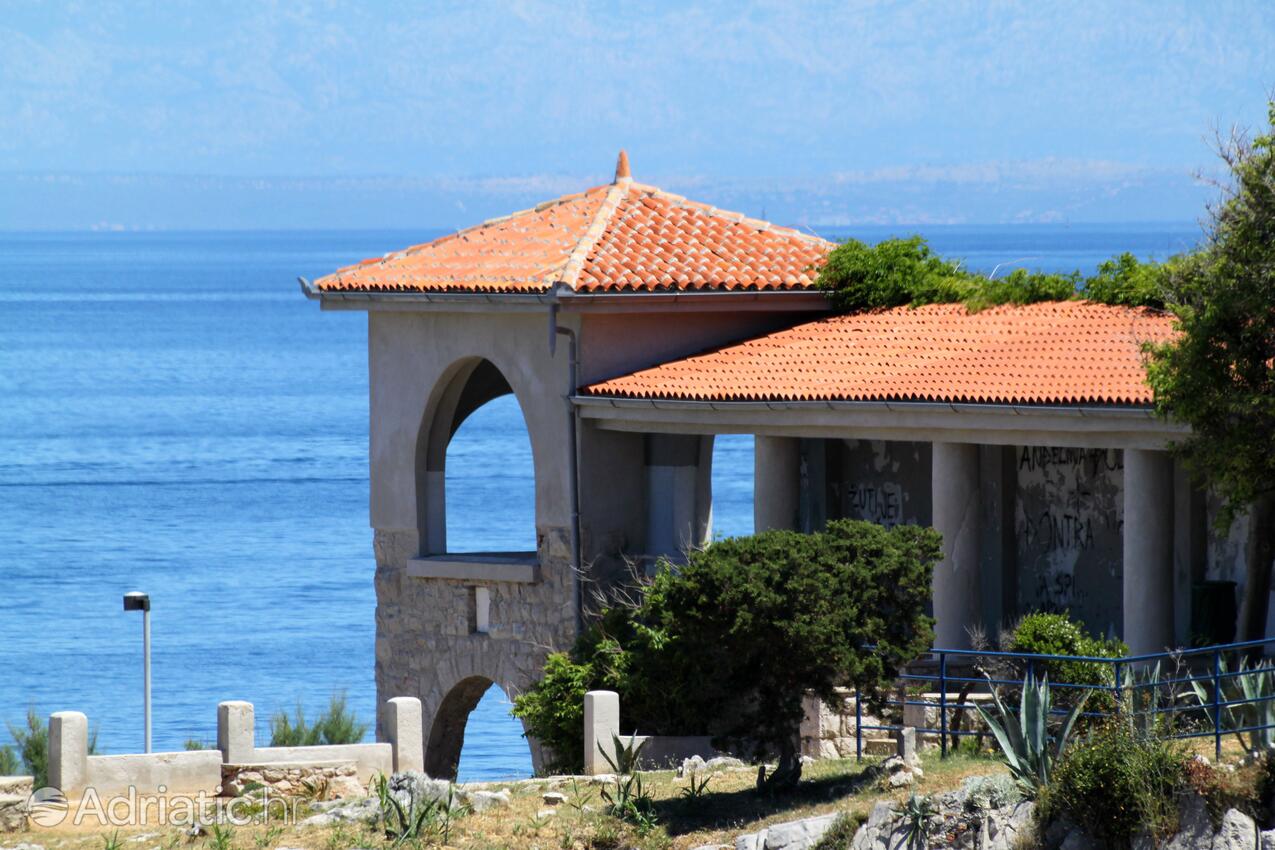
x,y
619,238
1069,352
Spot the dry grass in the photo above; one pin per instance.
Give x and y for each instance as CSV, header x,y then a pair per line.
x,y
729,806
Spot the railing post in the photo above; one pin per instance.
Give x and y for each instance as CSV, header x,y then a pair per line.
x,y
1217,705
943,705
1119,681
858,726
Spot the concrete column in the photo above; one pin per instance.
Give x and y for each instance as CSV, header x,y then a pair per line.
x,y
957,511
671,482
68,752
1148,551
776,482
601,724
236,737
405,732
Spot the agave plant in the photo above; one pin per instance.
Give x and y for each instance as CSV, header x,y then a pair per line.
x,y
1252,689
1029,749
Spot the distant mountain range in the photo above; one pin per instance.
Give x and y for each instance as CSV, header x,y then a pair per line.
x,y
1041,191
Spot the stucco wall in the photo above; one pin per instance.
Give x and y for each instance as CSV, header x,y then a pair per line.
x,y
425,642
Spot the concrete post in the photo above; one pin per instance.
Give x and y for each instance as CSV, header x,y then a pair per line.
x,y
601,724
957,512
68,751
672,474
235,734
405,731
776,482
1148,551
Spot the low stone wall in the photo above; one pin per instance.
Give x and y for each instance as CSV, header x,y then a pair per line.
x,y
828,731
602,727
73,771
320,780
14,793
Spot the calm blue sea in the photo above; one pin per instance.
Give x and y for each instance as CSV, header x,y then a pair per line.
x,y
175,417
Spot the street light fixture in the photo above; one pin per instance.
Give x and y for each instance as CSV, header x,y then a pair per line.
x,y
138,601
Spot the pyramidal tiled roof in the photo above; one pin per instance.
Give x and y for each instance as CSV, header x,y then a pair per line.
x,y
623,237
1061,353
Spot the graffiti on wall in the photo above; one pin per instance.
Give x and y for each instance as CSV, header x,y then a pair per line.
x,y
1069,516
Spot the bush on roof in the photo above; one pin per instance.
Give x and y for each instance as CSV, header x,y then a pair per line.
x,y
906,272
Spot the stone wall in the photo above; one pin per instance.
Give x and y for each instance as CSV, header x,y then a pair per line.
x,y
14,794
426,646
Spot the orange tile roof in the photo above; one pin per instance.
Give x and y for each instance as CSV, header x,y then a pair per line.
x,y
625,237
1068,352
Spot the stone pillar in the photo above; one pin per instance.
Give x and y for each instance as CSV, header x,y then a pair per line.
x,y
1148,551
601,724
405,731
236,737
957,510
776,482
68,752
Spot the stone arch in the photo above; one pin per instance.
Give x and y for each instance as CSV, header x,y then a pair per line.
x,y
464,387
447,730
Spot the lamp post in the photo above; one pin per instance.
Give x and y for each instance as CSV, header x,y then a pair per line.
x,y
138,601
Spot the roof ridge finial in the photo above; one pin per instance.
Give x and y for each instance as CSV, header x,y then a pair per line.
x,y
622,167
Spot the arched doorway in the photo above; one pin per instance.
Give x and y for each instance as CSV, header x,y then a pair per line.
x,y
495,737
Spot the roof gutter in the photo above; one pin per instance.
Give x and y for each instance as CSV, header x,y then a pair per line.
x,y
315,294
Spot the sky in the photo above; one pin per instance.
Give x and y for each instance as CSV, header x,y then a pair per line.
x,y
379,114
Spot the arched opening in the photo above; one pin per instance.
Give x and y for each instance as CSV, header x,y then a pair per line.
x,y
475,477
477,706
732,485
494,748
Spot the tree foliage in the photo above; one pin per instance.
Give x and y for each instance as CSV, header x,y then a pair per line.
x,y
727,644
1218,375
906,272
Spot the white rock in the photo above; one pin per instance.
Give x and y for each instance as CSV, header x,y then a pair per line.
x,y
1236,832
1268,839
553,798
23,846
902,779
800,834
751,841
481,801
546,813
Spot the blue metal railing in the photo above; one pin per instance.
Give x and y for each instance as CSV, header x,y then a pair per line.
x,y
1137,685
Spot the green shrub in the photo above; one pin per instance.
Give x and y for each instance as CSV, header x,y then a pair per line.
x,y
1058,634
553,710
727,644
337,725
1117,784
9,764
898,272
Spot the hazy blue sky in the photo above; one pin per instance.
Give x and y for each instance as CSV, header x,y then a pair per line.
x,y
177,114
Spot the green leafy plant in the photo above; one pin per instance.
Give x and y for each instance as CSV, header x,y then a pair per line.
x,y
195,744
628,799
337,725
404,823
906,272
554,710
695,788
268,838
1117,783
1216,374
1029,749
580,799
220,837
916,814
112,841
1247,703
9,764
